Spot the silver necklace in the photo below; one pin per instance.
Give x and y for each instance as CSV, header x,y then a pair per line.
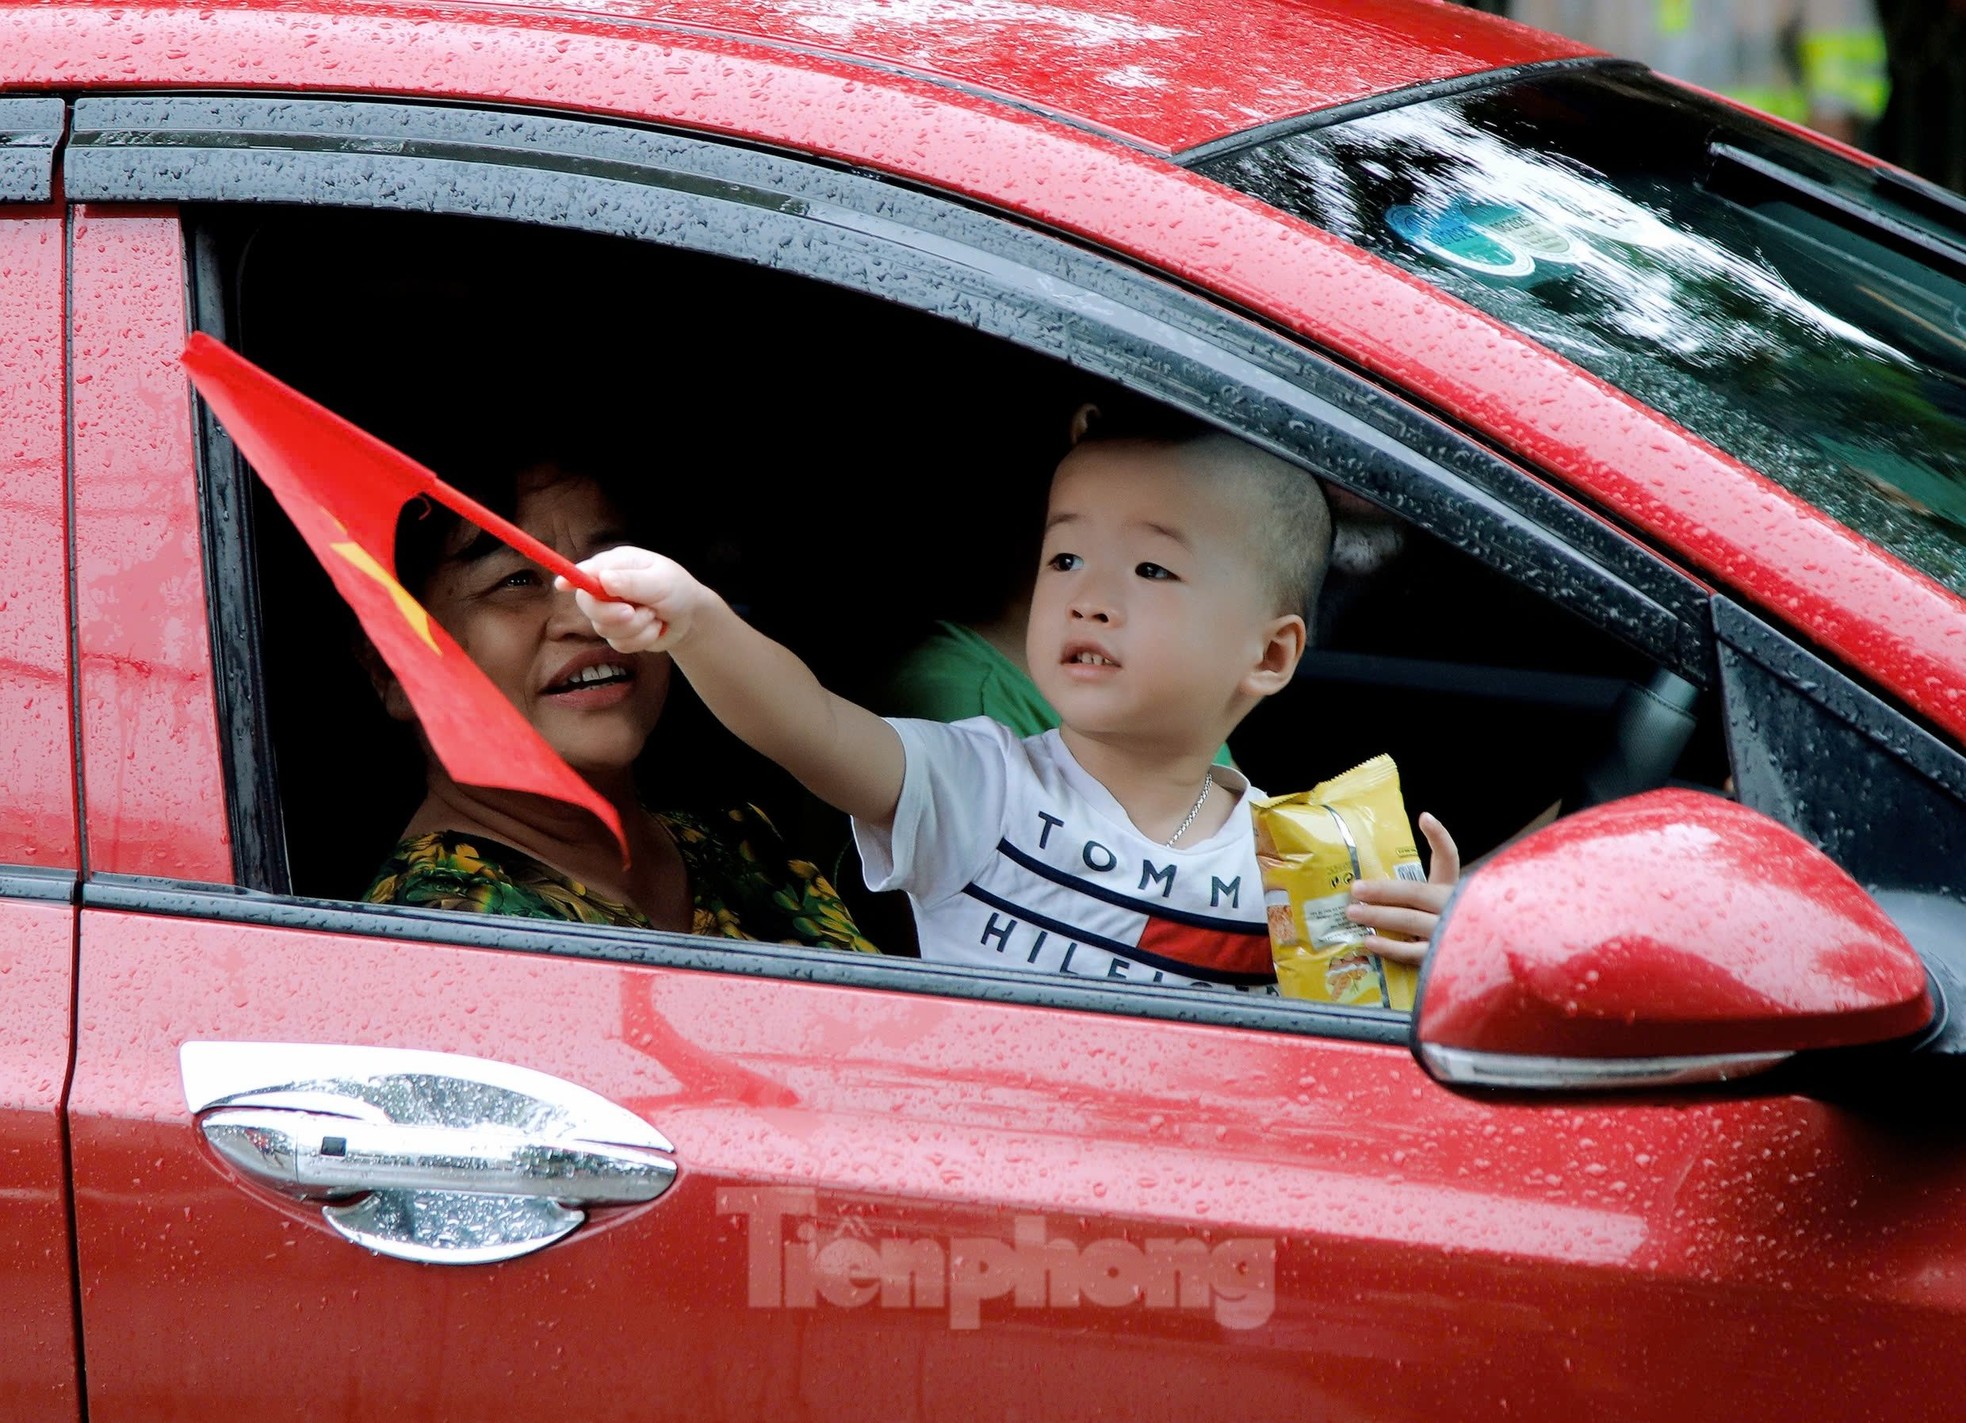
x,y
1194,810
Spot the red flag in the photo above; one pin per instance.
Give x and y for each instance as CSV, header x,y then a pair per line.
x,y
344,490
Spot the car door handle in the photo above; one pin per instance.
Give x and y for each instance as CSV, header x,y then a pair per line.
x,y
458,1160
315,1154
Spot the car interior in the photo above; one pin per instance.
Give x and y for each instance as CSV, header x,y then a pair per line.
x,y
846,471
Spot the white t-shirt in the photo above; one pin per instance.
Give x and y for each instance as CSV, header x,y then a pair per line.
x,y
1012,854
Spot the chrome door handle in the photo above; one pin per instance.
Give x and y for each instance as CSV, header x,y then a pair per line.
x,y
314,1154
464,1160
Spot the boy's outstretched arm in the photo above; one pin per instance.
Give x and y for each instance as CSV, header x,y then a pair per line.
x,y
762,691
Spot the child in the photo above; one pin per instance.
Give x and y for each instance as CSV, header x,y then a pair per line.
x,y
1170,599
976,667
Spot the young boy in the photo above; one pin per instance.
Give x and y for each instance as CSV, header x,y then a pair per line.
x,y
1171,598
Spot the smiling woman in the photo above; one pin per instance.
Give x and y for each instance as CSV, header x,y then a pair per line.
x,y
496,852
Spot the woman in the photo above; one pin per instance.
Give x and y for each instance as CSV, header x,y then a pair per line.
x,y
498,852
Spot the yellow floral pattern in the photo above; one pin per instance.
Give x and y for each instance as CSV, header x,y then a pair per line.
x,y
741,880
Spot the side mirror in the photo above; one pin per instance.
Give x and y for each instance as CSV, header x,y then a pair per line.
x,y
1671,937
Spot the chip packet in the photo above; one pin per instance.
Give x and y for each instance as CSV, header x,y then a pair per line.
x,y
1311,846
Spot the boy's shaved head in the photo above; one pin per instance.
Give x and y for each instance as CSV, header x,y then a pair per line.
x,y
1286,518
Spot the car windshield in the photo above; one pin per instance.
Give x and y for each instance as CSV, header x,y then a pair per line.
x,y
1804,314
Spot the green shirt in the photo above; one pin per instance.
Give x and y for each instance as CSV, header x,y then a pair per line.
x,y
955,673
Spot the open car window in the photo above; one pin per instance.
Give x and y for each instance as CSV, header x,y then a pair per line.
x,y
837,399
1803,314
845,505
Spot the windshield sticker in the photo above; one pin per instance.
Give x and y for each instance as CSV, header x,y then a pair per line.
x,y
1527,233
1452,238
1498,242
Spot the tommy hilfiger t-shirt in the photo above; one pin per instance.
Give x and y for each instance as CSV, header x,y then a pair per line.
x,y
1012,855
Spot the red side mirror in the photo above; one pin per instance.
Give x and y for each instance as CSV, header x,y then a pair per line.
x,y
1670,937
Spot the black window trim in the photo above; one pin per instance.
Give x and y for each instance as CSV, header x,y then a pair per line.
x,y
25,882
30,133
1092,310
659,949
254,810
1741,633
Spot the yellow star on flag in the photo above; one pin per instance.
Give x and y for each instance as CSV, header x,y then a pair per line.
x,y
411,610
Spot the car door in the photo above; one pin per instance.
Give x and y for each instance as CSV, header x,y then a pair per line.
x,y
37,779
897,1188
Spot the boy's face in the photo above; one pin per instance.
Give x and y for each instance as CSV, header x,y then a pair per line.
x,y
1147,618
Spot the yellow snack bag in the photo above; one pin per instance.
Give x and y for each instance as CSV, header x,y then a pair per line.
x,y
1311,846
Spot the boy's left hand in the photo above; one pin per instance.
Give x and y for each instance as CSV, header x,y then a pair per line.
x,y
1404,913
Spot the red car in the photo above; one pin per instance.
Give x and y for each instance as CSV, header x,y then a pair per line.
x,y
1649,421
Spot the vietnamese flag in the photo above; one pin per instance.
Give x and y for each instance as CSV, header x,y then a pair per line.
x,y
344,490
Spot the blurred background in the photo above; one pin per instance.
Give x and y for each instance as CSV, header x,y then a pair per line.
x,y
1886,75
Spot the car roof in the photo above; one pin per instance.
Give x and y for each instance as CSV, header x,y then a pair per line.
x,y
1158,74
1166,74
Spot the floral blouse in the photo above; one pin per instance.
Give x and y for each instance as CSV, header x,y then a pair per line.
x,y
742,881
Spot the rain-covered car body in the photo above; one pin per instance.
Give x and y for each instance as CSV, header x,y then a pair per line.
x,y
898,1190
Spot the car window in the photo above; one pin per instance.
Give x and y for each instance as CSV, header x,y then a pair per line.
x,y
846,506
1802,314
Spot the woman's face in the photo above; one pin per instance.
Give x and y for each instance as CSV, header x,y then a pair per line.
x,y
593,705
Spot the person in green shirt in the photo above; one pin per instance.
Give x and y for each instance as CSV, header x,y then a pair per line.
x,y
959,671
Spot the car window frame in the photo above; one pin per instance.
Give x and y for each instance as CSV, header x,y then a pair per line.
x,y
1096,311
255,813
1781,702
